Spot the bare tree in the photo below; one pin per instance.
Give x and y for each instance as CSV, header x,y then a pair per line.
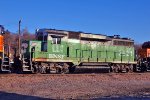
x,y
26,35
137,46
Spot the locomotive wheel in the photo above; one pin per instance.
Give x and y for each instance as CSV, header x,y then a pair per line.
x,y
43,69
35,68
130,68
115,69
65,68
58,70
53,68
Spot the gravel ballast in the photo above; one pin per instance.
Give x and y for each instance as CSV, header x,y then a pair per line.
x,y
74,86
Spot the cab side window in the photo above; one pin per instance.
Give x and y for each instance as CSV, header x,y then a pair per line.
x,y
56,40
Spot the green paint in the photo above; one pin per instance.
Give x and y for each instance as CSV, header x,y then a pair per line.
x,y
78,53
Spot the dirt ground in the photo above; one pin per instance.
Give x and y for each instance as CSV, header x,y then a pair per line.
x,y
73,86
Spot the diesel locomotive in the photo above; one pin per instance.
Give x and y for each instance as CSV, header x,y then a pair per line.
x,y
61,51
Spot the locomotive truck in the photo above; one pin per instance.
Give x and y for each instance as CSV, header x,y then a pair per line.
x,y
61,51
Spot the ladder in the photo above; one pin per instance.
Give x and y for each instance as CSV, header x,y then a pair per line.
x,y
5,62
26,65
5,65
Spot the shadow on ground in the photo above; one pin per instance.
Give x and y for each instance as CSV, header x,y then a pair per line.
x,y
14,96
123,98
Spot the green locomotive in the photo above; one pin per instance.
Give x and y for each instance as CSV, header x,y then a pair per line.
x,y
60,51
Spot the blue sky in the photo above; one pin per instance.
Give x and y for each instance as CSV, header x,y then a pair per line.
x,y
128,18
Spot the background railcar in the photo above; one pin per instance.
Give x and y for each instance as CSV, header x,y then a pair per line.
x,y
61,51
143,59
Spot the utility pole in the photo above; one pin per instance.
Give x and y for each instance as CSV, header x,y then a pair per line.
x,y
19,42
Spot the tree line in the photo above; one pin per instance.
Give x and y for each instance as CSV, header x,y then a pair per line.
x,y
11,40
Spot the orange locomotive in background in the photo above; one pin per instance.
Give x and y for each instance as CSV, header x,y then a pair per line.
x,y
143,53
143,59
